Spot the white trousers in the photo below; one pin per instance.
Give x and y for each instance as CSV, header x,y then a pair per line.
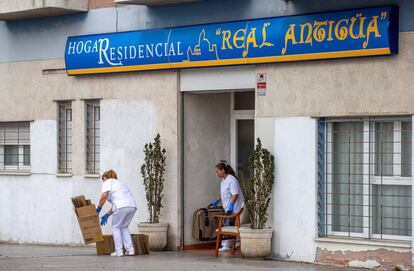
x,y
120,223
226,243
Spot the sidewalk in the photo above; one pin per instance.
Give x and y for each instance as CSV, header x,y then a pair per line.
x,y
41,258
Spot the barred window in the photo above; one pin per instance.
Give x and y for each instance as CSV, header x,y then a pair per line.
x,y
92,136
365,178
14,146
65,137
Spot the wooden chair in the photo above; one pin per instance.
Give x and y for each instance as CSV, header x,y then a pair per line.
x,y
232,231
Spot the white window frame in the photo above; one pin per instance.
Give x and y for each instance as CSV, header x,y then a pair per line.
x,y
369,179
20,167
394,180
328,162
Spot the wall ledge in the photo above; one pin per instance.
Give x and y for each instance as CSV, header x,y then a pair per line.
x,y
373,243
15,173
64,174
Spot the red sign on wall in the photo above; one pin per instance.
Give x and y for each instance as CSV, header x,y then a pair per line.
x,y
261,84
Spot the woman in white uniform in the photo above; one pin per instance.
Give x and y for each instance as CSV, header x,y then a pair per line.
x,y
231,195
123,210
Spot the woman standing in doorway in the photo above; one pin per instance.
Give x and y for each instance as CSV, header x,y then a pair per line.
x,y
123,210
231,195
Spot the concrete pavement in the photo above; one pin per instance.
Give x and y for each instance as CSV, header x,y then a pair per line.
x,y
42,258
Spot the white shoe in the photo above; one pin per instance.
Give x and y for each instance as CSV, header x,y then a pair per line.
x,y
117,254
130,253
223,249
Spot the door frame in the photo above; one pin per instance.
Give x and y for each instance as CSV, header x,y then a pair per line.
x,y
235,116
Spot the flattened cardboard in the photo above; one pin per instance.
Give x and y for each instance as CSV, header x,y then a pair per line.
x,y
86,211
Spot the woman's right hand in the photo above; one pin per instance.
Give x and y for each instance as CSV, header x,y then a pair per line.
x,y
215,202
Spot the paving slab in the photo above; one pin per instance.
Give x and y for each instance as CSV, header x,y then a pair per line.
x,y
48,258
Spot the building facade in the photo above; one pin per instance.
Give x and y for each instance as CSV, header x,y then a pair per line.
x,y
340,129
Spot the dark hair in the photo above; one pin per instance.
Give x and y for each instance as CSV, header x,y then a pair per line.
x,y
227,169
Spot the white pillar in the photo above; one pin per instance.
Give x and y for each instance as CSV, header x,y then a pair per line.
x,y
295,188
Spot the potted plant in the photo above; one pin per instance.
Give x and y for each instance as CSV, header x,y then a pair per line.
x,y
256,240
152,171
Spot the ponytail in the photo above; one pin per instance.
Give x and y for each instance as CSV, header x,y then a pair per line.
x,y
227,169
231,171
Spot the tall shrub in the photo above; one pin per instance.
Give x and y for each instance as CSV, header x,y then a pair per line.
x,y
153,171
258,187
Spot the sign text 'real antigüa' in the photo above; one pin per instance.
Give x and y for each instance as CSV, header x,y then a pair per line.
x,y
351,33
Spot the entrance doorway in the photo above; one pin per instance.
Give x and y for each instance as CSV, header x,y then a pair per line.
x,y
217,126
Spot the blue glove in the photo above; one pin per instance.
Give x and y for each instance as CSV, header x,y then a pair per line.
x,y
231,207
98,210
104,219
215,202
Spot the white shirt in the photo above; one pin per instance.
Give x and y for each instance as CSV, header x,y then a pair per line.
x,y
230,187
119,194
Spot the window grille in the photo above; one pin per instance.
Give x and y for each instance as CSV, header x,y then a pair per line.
x,y
365,177
65,137
14,146
92,136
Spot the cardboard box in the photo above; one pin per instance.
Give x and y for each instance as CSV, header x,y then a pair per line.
x,y
107,246
88,220
141,243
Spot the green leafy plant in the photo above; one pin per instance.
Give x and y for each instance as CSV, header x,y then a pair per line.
x,y
153,171
257,188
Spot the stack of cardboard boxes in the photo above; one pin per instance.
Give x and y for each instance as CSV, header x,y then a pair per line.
x,y
88,220
91,229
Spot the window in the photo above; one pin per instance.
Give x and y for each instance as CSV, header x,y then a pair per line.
x,y
14,146
365,178
65,137
92,136
244,100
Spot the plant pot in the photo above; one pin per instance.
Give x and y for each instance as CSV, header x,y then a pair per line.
x,y
256,243
157,234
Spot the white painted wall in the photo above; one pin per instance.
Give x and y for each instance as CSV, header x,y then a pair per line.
x,y
38,209
295,188
126,126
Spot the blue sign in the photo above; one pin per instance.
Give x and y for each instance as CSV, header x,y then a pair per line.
x,y
342,34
